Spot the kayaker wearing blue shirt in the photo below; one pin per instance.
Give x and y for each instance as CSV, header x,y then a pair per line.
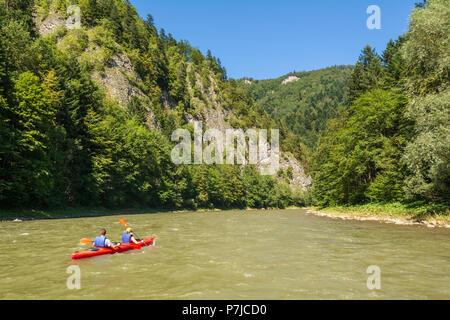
x,y
102,242
128,237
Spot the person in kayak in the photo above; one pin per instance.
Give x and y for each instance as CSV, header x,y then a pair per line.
x,y
102,242
128,237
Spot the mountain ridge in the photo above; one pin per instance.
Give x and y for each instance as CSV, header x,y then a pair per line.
x,y
306,104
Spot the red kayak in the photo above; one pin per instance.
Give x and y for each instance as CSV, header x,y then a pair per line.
x,y
93,252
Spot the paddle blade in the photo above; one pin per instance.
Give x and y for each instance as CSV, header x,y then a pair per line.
x,y
122,222
85,240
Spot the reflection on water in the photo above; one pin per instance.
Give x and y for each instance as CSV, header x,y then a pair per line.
x,y
227,255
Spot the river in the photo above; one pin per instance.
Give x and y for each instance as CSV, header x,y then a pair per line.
x,y
284,254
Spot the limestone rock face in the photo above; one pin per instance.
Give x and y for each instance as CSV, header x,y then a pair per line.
x,y
49,24
217,118
299,178
115,80
289,79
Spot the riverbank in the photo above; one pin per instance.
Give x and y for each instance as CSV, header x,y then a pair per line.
x,y
428,215
71,213
63,213
431,216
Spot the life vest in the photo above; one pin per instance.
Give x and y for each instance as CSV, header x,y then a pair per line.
x,y
100,241
126,237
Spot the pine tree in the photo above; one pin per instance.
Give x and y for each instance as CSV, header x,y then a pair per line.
x,y
394,65
367,74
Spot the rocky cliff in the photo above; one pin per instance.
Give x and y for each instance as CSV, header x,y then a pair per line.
x,y
114,72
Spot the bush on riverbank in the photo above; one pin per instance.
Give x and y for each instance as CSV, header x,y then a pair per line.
x,y
419,210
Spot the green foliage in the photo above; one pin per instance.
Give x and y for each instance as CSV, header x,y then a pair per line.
x,y
428,155
302,198
289,172
16,41
103,38
367,74
63,143
394,66
382,148
133,166
427,54
25,156
89,10
137,110
196,57
259,189
412,211
303,106
359,156
427,49
75,42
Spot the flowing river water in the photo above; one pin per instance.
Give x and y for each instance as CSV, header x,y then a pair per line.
x,y
286,254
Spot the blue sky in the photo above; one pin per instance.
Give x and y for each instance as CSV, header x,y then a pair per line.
x,y
266,39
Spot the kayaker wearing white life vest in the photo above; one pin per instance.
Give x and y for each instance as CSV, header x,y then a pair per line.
x,y
102,242
128,237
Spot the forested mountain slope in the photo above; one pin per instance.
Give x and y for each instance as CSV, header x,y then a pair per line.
x,y
87,114
392,143
303,101
379,130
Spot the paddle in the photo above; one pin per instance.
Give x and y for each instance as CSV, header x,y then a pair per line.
x,y
122,222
